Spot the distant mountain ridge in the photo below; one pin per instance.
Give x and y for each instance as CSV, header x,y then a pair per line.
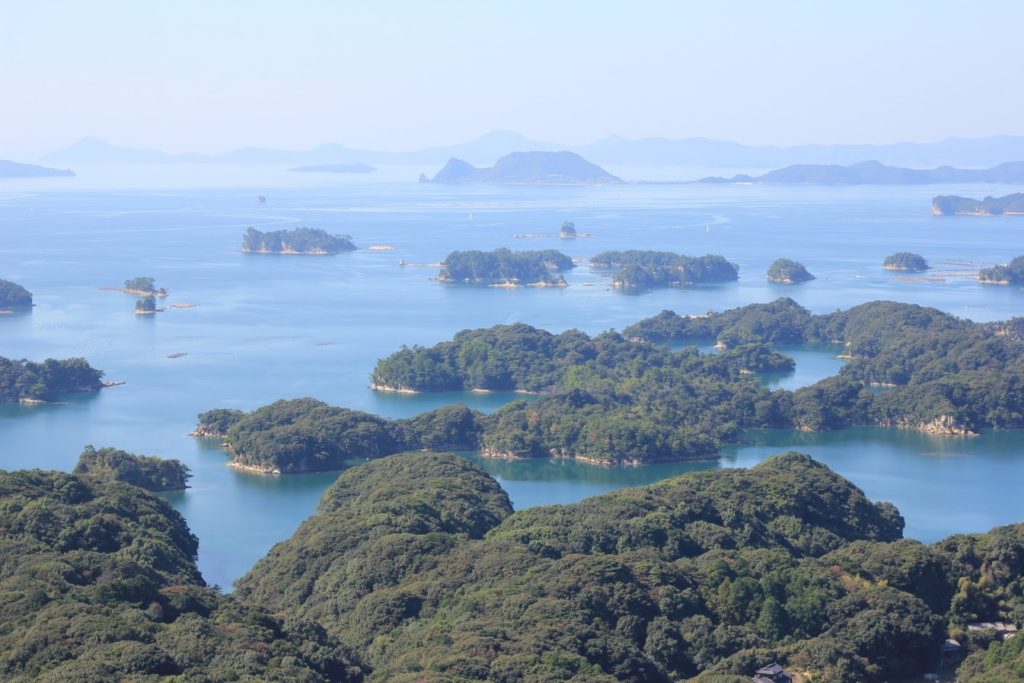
x,y
876,173
13,169
546,168
963,152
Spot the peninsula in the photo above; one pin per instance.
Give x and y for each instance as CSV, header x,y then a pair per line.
x,y
954,205
876,173
13,169
905,261
506,268
310,241
638,269
786,272
529,168
14,297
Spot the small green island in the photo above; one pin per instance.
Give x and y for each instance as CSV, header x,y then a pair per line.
x,y
143,286
27,382
954,205
147,472
639,269
905,261
783,271
309,241
14,297
568,231
506,268
146,305
1010,274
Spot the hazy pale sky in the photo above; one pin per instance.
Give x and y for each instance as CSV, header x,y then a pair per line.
x,y
212,75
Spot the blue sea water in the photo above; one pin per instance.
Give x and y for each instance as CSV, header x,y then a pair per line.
x,y
269,327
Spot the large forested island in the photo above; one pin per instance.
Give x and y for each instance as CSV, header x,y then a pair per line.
x,y
1010,274
28,382
953,205
505,268
534,168
297,241
415,568
905,261
14,297
13,169
638,269
876,173
144,471
785,271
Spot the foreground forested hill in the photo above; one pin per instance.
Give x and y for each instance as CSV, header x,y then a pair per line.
x,y
415,568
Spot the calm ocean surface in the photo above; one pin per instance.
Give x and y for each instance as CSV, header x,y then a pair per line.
x,y
269,327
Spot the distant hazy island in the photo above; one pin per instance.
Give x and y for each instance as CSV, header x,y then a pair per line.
x,y
786,272
12,169
905,261
148,472
637,269
506,268
298,241
334,168
953,205
1010,274
542,168
14,297
28,382
876,173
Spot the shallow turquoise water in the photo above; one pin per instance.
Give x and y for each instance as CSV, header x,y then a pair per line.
x,y
278,327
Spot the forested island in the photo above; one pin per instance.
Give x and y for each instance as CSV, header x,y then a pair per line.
x,y
334,168
638,269
1010,274
28,382
905,261
14,297
953,205
783,271
297,241
877,173
13,169
532,168
505,268
415,567
148,472
146,305
143,286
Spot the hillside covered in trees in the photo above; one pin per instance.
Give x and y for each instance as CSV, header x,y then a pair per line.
x,y
415,568
147,472
23,380
785,271
505,268
637,269
905,261
1010,274
297,241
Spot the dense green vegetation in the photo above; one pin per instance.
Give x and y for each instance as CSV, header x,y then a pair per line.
x,y
416,562
787,272
13,296
953,205
1010,274
504,267
23,380
148,472
98,582
568,230
905,260
297,241
637,269
415,568
305,435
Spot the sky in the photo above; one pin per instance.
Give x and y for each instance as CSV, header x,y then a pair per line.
x,y
213,75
